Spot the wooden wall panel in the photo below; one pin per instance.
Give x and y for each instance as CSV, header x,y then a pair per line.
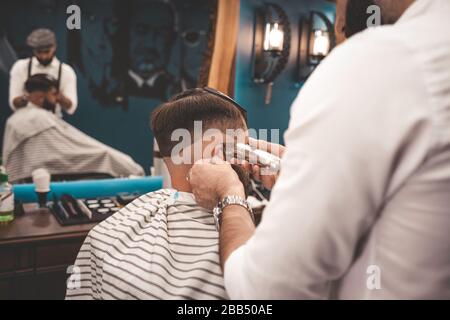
x,y
221,73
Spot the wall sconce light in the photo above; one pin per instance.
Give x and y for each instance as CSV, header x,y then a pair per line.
x,y
271,45
316,41
273,38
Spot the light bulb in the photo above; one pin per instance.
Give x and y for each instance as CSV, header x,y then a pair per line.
x,y
274,37
321,46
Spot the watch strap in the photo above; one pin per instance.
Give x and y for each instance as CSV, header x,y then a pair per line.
x,y
228,201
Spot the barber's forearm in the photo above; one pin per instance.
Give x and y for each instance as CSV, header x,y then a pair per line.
x,y
235,229
65,102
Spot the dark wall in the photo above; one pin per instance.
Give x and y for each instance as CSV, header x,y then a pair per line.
x,y
251,95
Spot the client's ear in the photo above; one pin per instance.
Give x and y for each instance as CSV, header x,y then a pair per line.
x,y
244,176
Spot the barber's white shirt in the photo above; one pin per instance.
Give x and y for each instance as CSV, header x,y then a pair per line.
x,y
361,209
19,75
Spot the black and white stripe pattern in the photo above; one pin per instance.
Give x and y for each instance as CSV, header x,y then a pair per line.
x,y
36,138
161,246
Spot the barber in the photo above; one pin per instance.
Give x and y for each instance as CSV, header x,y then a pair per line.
x,y
361,207
43,43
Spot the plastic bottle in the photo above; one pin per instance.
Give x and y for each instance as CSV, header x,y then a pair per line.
x,y
2,168
6,200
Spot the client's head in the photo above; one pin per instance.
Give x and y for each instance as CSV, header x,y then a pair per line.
x,y
191,125
42,91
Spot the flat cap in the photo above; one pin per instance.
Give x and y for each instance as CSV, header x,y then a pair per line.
x,y
41,38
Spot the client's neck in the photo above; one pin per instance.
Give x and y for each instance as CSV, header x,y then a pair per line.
x,y
178,174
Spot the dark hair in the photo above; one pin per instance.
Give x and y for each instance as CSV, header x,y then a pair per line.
x,y
40,82
182,110
244,177
356,16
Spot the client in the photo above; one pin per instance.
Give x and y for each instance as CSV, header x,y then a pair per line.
x,y
36,138
163,245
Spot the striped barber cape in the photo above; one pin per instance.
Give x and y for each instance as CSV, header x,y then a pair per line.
x,y
160,246
35,138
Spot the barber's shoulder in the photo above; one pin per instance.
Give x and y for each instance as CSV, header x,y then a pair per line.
x,y
380,44
68,70
373,56
20,65
368,69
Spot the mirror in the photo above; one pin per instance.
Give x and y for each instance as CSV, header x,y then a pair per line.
x,y
128,57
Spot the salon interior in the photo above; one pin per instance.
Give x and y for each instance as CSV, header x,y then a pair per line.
x,y
79,161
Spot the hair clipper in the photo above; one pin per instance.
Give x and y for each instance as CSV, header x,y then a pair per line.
x,y
252,155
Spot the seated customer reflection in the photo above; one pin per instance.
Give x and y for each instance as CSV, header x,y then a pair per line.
x,y
36,138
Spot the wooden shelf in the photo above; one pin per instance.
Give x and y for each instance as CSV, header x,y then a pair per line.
x,y
35,252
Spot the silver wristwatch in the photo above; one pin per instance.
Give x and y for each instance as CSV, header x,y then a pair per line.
x,y
228,201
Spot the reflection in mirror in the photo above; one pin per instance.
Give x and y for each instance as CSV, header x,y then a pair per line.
x,y
35,137
140,48
127,57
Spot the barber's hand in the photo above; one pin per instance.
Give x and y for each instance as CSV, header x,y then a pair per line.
x,y
267,179
60,98
63,101
213,179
